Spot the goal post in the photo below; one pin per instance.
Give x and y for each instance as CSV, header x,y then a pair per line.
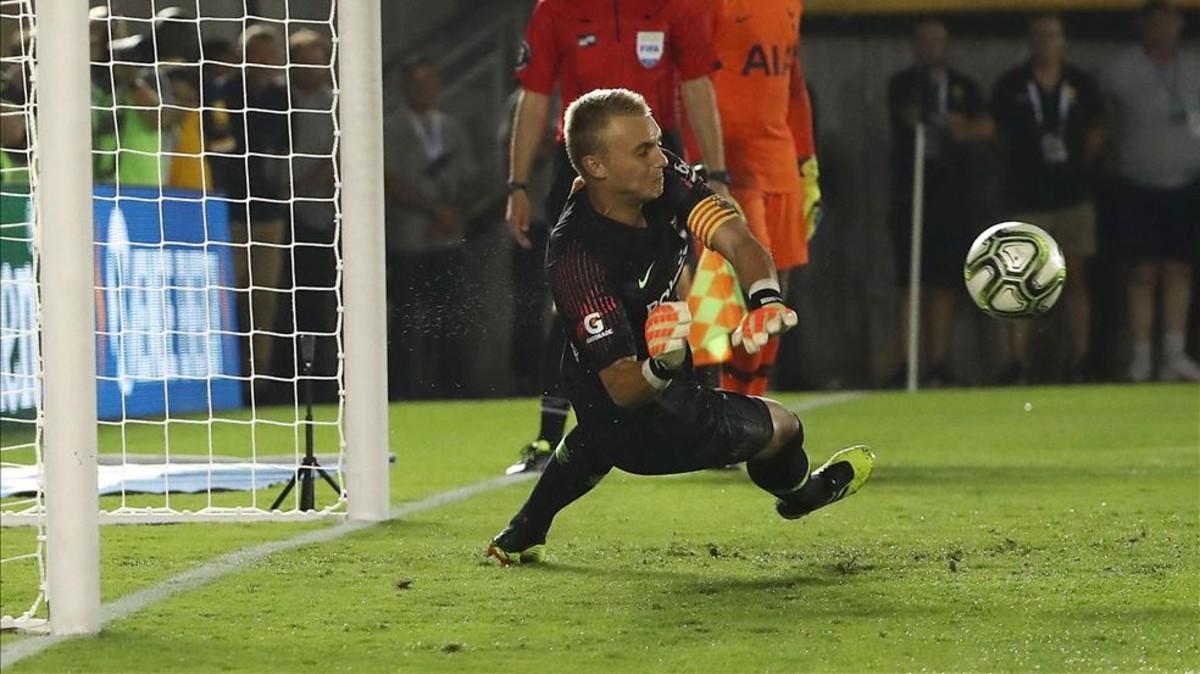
x,y
360,65
64,223
144,398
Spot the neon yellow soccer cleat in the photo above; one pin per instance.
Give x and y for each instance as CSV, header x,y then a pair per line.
x,y
845,473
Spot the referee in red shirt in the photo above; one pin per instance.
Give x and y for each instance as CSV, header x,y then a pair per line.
x,y
661,49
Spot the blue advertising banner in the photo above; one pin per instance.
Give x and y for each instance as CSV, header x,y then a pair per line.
x,y
166,310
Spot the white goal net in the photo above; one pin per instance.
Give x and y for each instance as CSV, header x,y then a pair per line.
x,y
218,271
22,556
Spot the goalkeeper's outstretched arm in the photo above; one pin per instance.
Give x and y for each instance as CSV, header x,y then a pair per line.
x,y
749,258
768,315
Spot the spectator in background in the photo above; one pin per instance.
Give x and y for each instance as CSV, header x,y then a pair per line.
x,y
254,181
216,69
178,64
104,139
954,113
1155,94
14,116
314,227
1049,117
14,141
131,119
218,58
428,178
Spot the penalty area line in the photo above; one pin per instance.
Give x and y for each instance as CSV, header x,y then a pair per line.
x,y
240,560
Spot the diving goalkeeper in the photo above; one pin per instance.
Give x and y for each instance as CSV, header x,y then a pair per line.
x,y
613,262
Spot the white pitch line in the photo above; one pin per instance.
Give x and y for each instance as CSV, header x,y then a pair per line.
x,y
826,401
244,558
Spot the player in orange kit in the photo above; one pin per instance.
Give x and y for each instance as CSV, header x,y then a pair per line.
x,y
766,118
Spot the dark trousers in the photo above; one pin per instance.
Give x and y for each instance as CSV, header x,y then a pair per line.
x,y
427,324
531,299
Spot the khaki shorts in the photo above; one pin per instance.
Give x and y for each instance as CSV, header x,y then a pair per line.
x,y
1073,227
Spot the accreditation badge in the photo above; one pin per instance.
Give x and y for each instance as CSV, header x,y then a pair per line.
x,y
1194,122
1054,149
650,47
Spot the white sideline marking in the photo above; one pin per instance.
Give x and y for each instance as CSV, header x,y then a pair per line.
x,y
827,400
241,559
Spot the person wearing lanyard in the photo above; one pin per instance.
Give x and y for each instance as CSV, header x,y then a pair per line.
x,y
955,116
661,49
1049,117
429,172
1154,91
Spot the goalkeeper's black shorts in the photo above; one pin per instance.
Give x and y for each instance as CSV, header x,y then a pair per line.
x,y
689,428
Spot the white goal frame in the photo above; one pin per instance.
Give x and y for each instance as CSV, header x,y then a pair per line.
x,y
64,220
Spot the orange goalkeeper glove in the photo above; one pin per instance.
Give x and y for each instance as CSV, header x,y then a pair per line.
x,y
768,316
667,328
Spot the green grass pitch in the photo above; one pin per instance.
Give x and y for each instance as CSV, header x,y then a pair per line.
x,y
990,538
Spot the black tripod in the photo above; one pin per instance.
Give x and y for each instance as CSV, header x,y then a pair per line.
x,y
308,469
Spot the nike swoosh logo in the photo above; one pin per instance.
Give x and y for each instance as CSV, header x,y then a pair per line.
x,y
742,19
645,277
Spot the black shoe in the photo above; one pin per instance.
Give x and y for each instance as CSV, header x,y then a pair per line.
x,y
844,474
514,545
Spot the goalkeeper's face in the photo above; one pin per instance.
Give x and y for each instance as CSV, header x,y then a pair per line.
x,y
633,160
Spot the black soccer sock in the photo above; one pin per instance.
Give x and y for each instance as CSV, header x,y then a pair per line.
x,y
555,406
554,419
567,477
786,473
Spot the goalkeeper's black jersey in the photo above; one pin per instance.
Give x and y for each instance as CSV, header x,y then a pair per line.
x,y
606,276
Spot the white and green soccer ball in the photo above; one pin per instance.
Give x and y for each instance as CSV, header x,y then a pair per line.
x,y
1015,270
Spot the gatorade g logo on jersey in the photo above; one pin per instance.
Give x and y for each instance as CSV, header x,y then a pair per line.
x,y
593,324
595,328
650,47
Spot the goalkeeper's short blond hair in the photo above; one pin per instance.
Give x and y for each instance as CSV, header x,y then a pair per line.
x,y
587,116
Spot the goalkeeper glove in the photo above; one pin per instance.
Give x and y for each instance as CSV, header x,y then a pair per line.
x,y
810,174
768,316
667,328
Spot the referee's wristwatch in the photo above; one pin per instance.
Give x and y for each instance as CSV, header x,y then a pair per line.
x,y
514,185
